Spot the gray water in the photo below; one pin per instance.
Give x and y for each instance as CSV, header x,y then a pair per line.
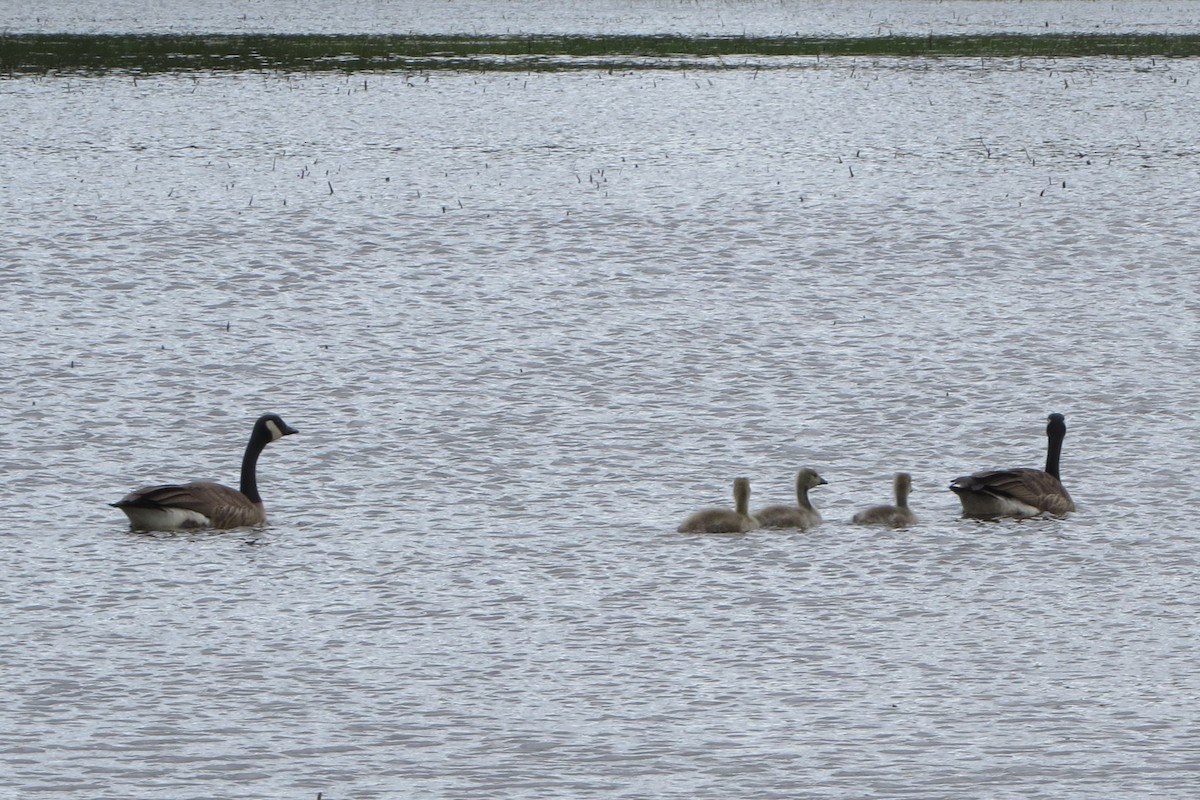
x,y
526,323
712,17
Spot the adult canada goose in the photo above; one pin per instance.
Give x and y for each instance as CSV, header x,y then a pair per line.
x,y
203,504
802,515
897,516
723,520
1020,492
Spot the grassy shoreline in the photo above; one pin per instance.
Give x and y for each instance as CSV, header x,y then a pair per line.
x,y
147,53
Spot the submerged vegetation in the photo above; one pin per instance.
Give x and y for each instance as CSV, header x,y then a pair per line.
x,y
147,53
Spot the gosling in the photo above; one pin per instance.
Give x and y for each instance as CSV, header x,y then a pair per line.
x,y
802,515
897,516
723,520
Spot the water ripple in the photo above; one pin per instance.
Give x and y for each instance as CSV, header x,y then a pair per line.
x,y
471,585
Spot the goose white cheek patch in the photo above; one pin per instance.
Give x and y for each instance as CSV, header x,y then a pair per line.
x,y
274,429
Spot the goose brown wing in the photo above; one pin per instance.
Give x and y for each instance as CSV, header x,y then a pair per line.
x,y
1032,487
202,497
189,496
224,507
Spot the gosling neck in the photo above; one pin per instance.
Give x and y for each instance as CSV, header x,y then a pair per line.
x,y
741,497
802,495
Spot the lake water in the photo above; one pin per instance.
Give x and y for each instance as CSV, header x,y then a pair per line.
x,y
527,322
714,17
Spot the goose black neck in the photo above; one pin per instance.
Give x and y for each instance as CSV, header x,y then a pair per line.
x,y
249,486
1056,431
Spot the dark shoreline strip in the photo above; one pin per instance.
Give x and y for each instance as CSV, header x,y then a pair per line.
x,y
148,53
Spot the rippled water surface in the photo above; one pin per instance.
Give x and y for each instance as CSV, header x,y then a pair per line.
x,y
525,323
720,17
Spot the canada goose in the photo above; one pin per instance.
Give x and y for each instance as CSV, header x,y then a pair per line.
x,y
802,515
897,516
722,520
1020,492
203,504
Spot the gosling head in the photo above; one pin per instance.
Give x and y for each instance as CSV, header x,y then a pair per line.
x,y
808,478
741,487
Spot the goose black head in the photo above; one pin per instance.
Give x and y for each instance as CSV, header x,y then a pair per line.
x,y
272,427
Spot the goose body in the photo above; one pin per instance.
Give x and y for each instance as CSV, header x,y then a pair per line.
x,y
802,515
204,504
1022,492
724,520
897,516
